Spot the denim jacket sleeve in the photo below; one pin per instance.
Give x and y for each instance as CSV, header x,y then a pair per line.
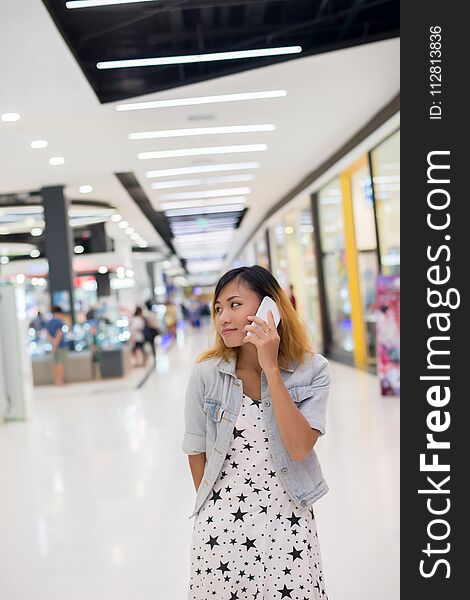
x,y
313,407
194,440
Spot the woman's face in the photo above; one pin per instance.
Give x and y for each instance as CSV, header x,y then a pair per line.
x,y
234,304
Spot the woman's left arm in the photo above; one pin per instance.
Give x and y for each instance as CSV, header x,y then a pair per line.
x,y
297,435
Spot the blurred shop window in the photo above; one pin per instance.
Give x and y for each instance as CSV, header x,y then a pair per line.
x,y
332,240
386,169
261,251
366,244
280,267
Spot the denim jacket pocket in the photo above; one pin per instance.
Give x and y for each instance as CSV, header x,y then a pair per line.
x,y
213,409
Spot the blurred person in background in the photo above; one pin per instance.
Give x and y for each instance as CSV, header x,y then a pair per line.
x,y
170,319
55,335
138,325
151,328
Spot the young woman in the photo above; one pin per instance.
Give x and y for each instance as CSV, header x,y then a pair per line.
x,y
255,407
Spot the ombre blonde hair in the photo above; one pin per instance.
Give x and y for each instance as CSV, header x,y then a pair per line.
x,y
292,331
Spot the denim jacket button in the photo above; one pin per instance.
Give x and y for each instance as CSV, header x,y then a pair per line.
x,y
267,403
237,382
304,503
284,470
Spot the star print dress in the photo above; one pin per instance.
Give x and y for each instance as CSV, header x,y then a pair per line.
x,y
249,542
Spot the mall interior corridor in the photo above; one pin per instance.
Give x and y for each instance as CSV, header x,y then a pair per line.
x,y
96,491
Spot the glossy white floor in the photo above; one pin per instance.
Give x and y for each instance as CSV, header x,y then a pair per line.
x,y
95,492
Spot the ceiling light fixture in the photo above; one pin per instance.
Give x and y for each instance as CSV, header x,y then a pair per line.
x,y
202,151
39,144
85,189
239,200
56,160
169,133
116,218
10,117
203,169
129,230
93,3
36,231
79,249
197,58
204,210
242,191
123,224
34,253
165,185
201,100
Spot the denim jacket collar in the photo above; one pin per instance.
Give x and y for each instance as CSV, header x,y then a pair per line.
x,y
228,366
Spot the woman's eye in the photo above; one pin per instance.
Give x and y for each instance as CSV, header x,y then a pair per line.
x,y
236,303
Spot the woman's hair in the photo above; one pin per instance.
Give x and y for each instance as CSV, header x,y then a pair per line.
x,y
294,340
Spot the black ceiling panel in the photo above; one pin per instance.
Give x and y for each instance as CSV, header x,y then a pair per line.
x,y
180,27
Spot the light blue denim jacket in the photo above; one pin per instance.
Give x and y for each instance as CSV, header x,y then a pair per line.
x,y
213,400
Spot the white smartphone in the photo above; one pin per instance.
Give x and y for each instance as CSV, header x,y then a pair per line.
x,y
267,303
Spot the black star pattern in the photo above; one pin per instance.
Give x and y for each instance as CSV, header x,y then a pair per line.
x,y
286,571
295,553
225,530
248,446
198,571
228,489
258,557
256,490
233,541
317,586
294,532
223,474
286,592
213,542
242,498
239,515
278,516
293,520
208,570
223,567
238,433
256,403
233,596
249,543
251,577
234,465
209,519
264,509
249,481
228,456
272,473
242,573
215,496
227,578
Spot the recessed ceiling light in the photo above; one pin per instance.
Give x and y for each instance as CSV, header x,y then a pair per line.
x,y
36,231
129,273
202,100
39,144
202,151
206,194
85,189
34,253
143,244
4,260
92,3
166,185
102,269
203,169
10,117
129,230
20,278
56,160
135,236
123,224
169,133
197,58
116,218
79,249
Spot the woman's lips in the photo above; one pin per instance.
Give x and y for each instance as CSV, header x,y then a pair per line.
x,y
227,331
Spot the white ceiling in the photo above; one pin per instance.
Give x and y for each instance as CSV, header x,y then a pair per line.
x,y
330,97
